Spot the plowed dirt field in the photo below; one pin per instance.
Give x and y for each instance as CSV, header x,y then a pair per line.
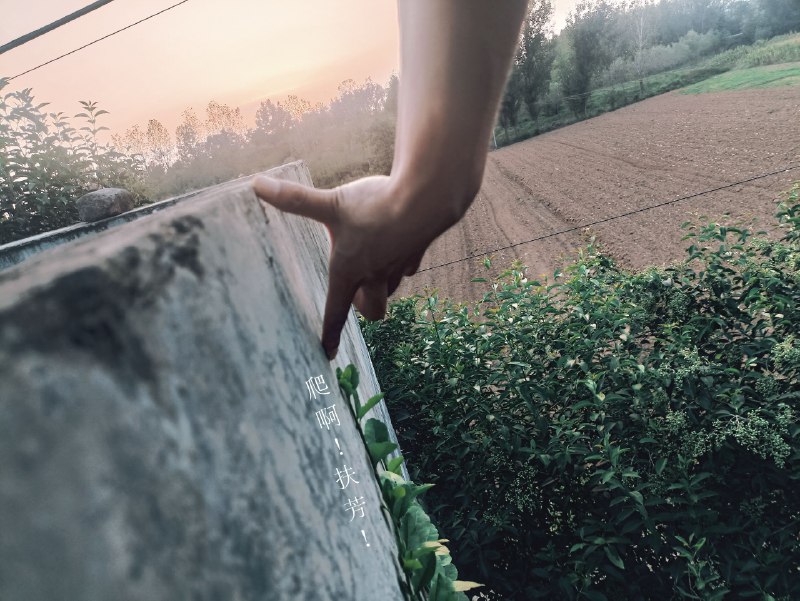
x,y
654,151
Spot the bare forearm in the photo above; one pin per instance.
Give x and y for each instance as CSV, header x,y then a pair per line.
x,y
455,56
454,59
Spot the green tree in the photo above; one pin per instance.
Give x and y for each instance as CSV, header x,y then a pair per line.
x,y
774,17
511,103
587,32
535,57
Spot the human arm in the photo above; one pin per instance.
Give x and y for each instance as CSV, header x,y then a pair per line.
x,y
454,60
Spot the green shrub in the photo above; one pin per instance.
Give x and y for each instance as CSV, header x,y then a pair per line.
x,y
425,559
46,164
781,49
613,435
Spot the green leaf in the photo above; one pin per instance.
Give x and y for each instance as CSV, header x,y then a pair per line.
x,y
379,450
376,431
369,405
394,465
423,576
416,528
613,556
607,476
441,588
660,464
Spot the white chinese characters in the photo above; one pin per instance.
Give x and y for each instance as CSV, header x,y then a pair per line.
x,y
316,386
327,416
345,477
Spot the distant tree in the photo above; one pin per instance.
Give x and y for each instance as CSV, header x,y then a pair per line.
x,y
535,56
511,103
188,137
159,145
297,107
357,101
133,142
777,16
381,132
392,94
273,121
640,28
587,32
223,118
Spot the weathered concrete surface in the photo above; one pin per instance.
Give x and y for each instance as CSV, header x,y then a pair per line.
x,y
14,253
157,439
104,203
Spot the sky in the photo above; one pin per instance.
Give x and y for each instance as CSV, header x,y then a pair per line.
x,y
239,53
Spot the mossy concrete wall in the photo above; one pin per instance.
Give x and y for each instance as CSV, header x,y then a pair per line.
x,y
158,440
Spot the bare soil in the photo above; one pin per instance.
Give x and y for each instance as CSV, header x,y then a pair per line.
x,y
654,151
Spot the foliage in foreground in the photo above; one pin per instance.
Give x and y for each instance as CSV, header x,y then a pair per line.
x,y
46,164
613,435
426,561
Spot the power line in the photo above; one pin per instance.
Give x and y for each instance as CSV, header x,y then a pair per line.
x,y
99,39
621,215
54,25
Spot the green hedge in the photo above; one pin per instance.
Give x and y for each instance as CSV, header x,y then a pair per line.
x,y
613,435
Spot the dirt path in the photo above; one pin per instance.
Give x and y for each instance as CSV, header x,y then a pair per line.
x,y
654,151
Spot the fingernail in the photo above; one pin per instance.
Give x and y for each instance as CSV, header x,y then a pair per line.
x,y
265,186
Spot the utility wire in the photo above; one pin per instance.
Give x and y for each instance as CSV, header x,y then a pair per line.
x,y
99,39
607,219
54,25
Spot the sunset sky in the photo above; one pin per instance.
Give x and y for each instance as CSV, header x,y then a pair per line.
x,y
239,53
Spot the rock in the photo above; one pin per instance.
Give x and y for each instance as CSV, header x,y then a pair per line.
x,y
102,203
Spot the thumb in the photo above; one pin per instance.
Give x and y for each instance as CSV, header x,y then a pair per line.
x,y
297,198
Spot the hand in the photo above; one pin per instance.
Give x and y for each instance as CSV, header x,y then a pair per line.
x,y
379,233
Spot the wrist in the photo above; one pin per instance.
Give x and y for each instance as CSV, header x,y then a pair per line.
x,y
440,192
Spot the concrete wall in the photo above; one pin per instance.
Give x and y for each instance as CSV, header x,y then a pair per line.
x,y
15,252
157,437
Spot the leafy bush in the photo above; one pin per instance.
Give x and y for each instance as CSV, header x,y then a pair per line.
x,y
46,164
425,559
613,435
655,59
781,49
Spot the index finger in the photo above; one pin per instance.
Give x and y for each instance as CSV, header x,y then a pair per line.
x,y
342,288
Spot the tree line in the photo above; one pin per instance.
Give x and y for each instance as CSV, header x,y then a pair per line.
x,y
606,43
351,136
